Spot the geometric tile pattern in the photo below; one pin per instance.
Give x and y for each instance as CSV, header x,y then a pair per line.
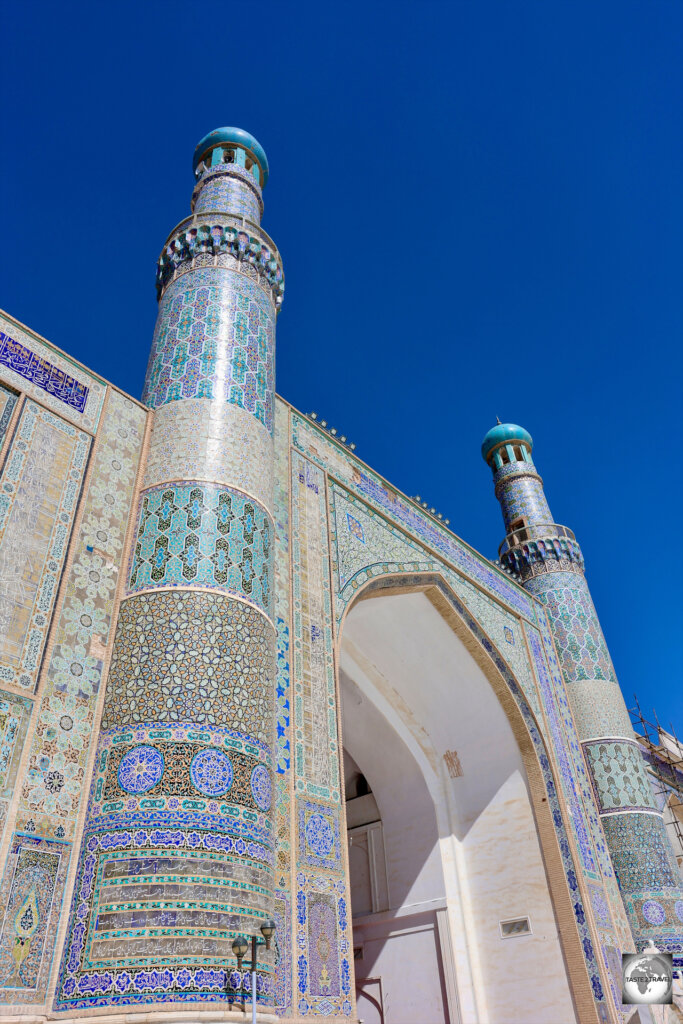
x,y
563,756
575,626
641,852
30,896
523,496
8,401
618,934
365,541
52,788
190,442
225,193
599,709
619,775
33,366
319,843
614,933
191,656
197,535
178,811
315,739
323,946
15,713
40,487
201,314
282,799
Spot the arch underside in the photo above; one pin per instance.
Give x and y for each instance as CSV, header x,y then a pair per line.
x,y
519,774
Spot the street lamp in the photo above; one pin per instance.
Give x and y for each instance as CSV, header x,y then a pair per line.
x,y
239,948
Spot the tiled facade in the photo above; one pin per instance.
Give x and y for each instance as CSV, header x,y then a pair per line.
x,y
174,582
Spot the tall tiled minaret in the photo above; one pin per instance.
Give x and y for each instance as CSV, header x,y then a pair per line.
x,y
178,848
547,560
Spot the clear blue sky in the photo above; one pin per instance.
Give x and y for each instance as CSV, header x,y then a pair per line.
x,y
480,212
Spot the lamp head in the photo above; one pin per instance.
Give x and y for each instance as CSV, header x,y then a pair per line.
x,y
267,931
240,947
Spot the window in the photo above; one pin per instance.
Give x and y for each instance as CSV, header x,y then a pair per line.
x,y
512,929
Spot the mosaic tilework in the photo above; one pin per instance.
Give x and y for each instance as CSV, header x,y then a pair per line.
x,y
323,968
366,545
619,775
282,980
49,376
575,626
39,492
224,193
523,496
319,843
214,338
648,878
563,755
315,742
15,713
201,440
191,656
282,780
199,535
570,867
181,774
8,401
418,525
30,896
617,936
51,789
172,814
599,709
581,776
641,855
42,373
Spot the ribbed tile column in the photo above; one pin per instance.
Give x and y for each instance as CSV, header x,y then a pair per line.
x,y
178,848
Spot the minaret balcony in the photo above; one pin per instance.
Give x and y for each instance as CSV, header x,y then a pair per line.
x,y
221,240
540,547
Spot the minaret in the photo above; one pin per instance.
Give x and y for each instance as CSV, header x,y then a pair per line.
x,y
177,859
547,560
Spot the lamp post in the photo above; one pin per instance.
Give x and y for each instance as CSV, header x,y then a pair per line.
x,y
239,948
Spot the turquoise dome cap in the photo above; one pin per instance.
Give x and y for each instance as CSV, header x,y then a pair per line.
x,y
502,433
237,136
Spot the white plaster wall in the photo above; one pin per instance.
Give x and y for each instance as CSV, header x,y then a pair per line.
x,y
523,976
404,953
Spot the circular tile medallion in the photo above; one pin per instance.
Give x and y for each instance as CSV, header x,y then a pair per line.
x,y
211,772
140,769
260,787
319,835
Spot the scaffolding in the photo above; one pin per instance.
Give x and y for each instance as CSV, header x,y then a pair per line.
x,y
663,753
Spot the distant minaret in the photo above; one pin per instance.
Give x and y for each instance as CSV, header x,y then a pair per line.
x,y
547,560
177,859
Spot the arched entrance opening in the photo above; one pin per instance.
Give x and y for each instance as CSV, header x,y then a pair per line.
x,y
452,915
